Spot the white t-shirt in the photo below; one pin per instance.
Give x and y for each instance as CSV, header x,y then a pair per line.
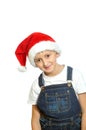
x,y
78,83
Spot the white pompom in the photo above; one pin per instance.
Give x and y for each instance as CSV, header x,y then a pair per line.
x,y
22,69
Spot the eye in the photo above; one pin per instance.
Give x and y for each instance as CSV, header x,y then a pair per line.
x,y
47,56
37,60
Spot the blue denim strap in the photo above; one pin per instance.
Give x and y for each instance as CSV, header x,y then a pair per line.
x,y
69,73
41,80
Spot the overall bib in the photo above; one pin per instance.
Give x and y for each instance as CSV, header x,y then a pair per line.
x,y
59,106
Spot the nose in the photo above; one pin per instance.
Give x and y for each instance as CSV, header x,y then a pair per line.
x,y
44,62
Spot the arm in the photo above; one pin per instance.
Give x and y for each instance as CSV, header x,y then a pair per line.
x,y
82,100
35,118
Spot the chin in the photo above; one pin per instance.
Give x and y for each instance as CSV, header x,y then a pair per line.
x,y
48,72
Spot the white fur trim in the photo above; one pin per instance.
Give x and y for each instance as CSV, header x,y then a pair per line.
x,y
41,46
22,68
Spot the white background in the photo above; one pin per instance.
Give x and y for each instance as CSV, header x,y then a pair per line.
x,y
64,20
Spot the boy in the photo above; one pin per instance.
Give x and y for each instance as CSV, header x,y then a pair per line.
x,y
58,95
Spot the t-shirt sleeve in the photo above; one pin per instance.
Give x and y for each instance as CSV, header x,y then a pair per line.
x,y
34,93
80,83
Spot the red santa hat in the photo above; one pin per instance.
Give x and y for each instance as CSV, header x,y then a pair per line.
x,y
33,44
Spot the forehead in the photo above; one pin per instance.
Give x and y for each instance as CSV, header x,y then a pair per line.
x,y
44,53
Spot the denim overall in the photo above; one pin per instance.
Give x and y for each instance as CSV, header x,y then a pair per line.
x,y
59,106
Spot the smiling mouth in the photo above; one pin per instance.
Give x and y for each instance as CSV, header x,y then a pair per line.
x,y
47,67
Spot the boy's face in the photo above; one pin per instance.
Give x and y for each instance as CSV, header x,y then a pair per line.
x,y
46,61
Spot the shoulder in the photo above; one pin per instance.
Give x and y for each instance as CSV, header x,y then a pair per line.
x,y
77,73
35,82
35,85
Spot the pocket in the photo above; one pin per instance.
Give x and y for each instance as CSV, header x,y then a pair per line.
x,y
58,101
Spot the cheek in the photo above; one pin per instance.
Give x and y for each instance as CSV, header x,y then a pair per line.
x,y
39,65
54,59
